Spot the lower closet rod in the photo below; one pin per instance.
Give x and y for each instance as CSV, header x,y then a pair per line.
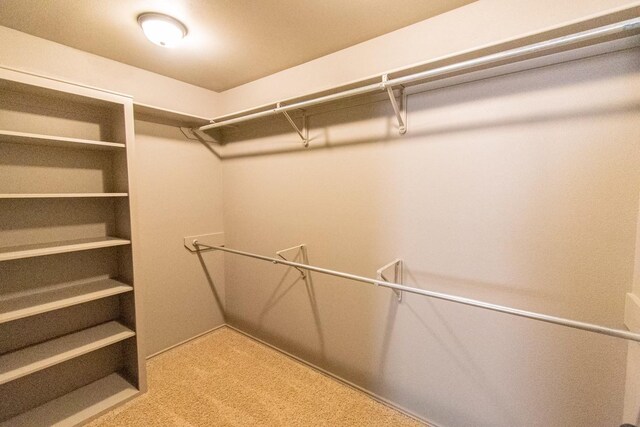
x,y
618,333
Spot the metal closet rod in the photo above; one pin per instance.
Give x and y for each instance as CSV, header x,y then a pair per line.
x,y
607,30
618,333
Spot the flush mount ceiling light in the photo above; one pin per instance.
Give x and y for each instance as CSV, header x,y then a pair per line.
x,y
162,30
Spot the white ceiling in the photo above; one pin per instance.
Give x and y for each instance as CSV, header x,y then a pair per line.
x,y
230,42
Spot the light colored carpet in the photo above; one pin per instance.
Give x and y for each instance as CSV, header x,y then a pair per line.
x,y
227,379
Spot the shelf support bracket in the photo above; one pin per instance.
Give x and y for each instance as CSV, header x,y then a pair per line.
x,y
398,275
304,132
399,110
302,248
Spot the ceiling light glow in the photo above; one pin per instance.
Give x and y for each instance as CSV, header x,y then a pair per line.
x,y
162,30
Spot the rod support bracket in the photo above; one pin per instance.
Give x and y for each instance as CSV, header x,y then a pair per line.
x,y
302,249
203,242
399,110
398,275
302,132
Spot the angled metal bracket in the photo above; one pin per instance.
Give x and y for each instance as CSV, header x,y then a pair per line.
x,y
398,275
203,242
305,260
304,132
399,110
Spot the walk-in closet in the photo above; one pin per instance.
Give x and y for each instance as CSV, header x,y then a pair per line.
x,y
319,213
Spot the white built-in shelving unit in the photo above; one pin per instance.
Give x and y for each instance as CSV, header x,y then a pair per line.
x,y
69,310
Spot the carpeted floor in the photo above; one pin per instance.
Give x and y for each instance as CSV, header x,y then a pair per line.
x,y
227,379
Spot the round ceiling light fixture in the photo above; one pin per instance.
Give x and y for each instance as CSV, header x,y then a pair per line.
x,y
162,30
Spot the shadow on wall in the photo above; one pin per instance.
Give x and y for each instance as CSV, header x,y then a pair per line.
x,y
212,285
324,139
280,291
449,343
464,360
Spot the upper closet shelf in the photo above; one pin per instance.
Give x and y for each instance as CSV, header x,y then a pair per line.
x,y
60,195
12,137
153,114
29,251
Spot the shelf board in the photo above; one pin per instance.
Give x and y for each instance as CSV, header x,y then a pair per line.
x,y
56,141
28,251
78,406
37,357
165,116
60,195
30,303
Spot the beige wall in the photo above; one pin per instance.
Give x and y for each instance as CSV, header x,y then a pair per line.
x,y
461,200
521,190
492,195
179,194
